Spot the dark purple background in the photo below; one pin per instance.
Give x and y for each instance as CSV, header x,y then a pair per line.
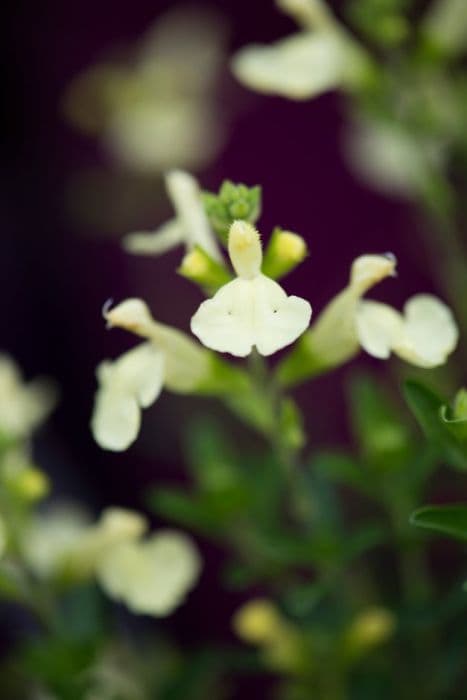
x,y
55,278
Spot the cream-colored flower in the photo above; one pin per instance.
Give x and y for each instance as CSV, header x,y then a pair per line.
x,y
424,335
305,64
134,381
23,406
151,576
190,226
157,110
252,310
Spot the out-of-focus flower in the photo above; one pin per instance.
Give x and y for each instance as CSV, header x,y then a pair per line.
x,y
390,159
305,64
259,622
424,335
135,380
23,406
50,536
151,576
158,110
252,310
190,227
21,477
370,628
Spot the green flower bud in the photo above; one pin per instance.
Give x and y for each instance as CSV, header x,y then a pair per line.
x,y
198,267
233,202
284,252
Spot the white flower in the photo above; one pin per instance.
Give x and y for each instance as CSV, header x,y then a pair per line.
x,y
305,64
136,378
151,576
23,406
300,66
252,310
424,335
190,226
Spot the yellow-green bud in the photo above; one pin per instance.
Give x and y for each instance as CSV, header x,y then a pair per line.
x,y
284,252
460,405
369,629
257,622
32,484
197,266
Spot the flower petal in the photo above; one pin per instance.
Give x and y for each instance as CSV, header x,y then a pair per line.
x,y
157,242
151,577
131,382
430,332
299,67
279,319
185,194
245,313
225,322
379,327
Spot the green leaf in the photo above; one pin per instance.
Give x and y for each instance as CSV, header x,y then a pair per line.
x,y
450,520
428,409
383,439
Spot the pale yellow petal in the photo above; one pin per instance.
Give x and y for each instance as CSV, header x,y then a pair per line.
x,y
168,236
379,328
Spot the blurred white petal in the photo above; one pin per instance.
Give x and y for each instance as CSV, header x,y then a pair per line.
x,y
168,236
151,577
300,66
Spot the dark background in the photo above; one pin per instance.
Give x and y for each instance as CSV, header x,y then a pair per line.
x,y
55,275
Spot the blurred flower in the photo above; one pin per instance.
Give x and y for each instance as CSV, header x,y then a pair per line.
x,y
158,110
23,406
259,622
50,536
425,335
305,64
252,310
386,156
370,628
21,477
190,226
151,576
135,379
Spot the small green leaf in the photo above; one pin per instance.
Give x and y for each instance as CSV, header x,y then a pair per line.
x,y
451,520
428,409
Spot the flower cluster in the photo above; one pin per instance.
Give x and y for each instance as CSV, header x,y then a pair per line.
x,y
249,311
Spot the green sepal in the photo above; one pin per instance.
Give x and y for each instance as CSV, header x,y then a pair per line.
x,y
450,520
232,202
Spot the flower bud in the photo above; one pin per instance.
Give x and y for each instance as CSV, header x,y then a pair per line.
x,y
200,268
284,252
231,203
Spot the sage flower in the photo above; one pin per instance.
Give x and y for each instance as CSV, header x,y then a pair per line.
x,y
151,576
23,406
135,379
425,334
190,227
252,310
